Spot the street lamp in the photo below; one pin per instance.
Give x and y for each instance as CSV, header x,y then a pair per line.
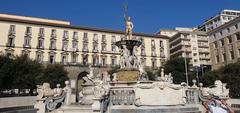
x,y
185,60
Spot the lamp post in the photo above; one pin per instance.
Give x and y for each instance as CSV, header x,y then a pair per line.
x,y
185,60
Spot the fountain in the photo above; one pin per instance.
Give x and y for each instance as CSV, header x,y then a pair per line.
x,y
129,90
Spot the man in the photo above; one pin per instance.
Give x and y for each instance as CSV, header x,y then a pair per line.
x,y
217,106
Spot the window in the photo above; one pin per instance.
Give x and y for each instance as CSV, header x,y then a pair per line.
x,y
113,40
75,35
10,41
95,38
27,41
238,36
143,61
28,31
228,30
85,59
194,54
221,33
236,26
74,46
51,59
217,58
161,44
95,62
215,45
222,42
142,47
85,37
103,47
103,61
113,61
85,42
85,46
238,52
185,36
65,34
214,35
52,44
74,58
39,57
95,42
41,31
232,55
224,57
229,39
64,59
195,60
54,34
153,48
154,63
40,44
153,43
12,29
95,47
103,38
65,45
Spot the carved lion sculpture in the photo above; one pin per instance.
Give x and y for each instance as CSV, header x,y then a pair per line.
x,y
45,91
218,90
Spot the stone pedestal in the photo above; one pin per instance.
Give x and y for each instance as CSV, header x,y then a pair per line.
x,y
40,106
88,95
96,106
125,75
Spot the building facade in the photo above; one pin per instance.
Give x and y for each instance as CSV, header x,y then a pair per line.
x,y
225,43
55,41
190,44
218,20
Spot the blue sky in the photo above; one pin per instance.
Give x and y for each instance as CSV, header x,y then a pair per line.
x,y
148,15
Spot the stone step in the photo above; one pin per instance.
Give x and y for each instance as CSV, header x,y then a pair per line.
x,y
154,109
75,109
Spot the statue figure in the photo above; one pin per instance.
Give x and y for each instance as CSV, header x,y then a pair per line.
x,y
68,90
134,56
170,78
129,27
90,75
114,77
126,56
106,77
162,74
122,60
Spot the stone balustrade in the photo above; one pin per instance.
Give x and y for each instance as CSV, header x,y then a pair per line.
x,y
192,96
122,97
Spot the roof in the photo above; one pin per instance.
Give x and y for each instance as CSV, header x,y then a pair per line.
x,y
190,32
45,23
224,25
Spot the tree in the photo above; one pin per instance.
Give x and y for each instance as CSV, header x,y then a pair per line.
x,y
53,74
24,71
229,74
4,67
176,66
150,74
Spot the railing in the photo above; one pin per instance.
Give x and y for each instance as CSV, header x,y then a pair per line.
x,y
122,97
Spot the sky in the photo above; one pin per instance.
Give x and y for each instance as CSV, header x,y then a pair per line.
x,y
148,16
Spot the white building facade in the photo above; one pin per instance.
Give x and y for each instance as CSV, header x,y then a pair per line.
x,y
218,20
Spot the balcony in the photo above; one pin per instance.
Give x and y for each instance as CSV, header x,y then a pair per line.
x,y
203,39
